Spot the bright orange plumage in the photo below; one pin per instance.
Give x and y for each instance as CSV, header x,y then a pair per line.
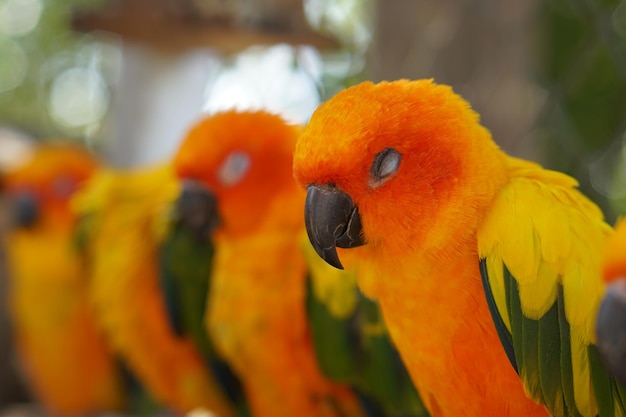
x,y
443,217
66,360
615,254
256,315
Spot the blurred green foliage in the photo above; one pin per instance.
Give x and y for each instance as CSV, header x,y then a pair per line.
x,y
581,62
26,105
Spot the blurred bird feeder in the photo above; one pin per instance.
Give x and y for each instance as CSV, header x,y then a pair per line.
x,y
228,26
170,49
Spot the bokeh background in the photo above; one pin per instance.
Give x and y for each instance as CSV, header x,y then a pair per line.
x,y
127,77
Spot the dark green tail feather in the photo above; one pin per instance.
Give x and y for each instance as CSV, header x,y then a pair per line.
x,y
336,341
566,373
516,318
503,333
543,360
549,354
602,384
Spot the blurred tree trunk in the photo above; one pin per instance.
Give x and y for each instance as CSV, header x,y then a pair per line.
x,y
481,48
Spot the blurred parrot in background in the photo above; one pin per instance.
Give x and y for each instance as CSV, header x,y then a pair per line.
x,y
289,330
486,267
611,322
149,277
66,361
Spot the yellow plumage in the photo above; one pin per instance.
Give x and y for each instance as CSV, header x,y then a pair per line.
x,y
535,211
126,215
67,362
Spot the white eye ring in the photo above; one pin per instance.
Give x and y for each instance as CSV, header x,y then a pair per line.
x,y
386,163
234,168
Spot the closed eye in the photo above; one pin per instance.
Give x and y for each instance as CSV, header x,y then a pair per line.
x,y
386,163
234,168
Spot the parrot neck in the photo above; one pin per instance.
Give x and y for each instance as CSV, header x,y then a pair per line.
x,y
442,327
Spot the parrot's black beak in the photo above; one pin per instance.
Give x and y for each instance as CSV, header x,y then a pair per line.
x,y
25,208
611,329
332,220
197,209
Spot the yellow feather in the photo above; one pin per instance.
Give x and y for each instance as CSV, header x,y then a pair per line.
x,y
539,295
334,287
128,214
583,394
564,236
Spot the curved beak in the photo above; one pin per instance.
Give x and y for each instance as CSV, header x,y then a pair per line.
x,y
611,329
197,209
332,220
26,210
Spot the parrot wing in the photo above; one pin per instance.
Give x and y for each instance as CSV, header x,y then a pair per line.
x,y
122,192
185,269
351,341
129,223
540,249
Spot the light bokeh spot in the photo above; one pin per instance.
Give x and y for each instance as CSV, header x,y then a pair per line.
x,y
13,65
78,97
19,17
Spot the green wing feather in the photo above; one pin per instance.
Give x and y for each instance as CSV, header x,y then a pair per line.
x,y
540,250
352,344
185,272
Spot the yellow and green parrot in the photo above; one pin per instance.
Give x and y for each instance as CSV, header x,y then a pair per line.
x,y
65,358
149,276
611,321
486,267
298,334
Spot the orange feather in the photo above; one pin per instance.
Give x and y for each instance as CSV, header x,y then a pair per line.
x,y
614,259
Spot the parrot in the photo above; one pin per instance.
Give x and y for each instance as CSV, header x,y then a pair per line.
x,y
486,266
295,330
149,270
66,360
611,321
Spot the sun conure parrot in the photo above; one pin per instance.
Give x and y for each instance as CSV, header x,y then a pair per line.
x,y
144,265
65,358
486,267
265,304
611,321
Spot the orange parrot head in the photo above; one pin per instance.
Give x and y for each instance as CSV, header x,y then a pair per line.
x,y
395,166
40,189
235,162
